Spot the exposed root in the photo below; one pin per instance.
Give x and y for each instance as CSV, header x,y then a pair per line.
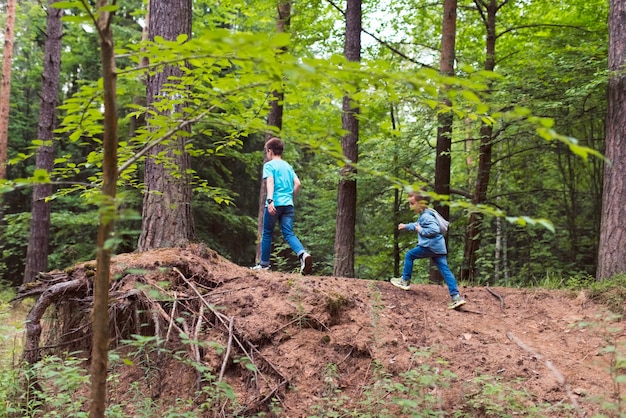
x,y
497,296
141,305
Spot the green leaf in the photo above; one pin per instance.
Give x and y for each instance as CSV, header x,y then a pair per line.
x,y
41,176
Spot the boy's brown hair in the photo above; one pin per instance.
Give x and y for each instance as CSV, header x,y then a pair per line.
x,y
276,145
419,195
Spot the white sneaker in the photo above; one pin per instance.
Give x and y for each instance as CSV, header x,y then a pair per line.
x,y
401,283
306,263
260,267
457,301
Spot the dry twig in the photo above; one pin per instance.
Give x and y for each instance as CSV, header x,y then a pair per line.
x,y
228,348
224,320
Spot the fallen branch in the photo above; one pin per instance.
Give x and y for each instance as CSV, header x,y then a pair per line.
x,y
228,348
559,376
168,318
496,295
224,320
171,316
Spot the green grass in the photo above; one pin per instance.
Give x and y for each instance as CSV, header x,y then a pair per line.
x,y
11,338
11,329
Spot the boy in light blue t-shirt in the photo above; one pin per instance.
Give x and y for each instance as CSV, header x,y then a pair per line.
x,y
282,185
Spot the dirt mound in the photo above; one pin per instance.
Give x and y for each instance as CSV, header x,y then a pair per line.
x,y
316,344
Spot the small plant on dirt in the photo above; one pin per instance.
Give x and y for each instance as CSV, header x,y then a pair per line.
x,y
615,353
417,390
142,355
213,394
245,362
376,307
373,400
332,401
375,302
331,375
301,318
58,383
274,410
610,293
491,396
335,302
410,394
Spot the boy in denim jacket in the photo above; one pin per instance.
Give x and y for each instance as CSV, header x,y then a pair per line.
x,y
430,244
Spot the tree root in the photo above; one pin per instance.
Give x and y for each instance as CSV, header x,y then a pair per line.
x,y
136,310
497,296
51,295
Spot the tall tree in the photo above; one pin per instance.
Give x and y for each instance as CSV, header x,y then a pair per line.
x,y
167,216
100,315
275,116
347,190
5,87
37,253
445,118
612,248
488,10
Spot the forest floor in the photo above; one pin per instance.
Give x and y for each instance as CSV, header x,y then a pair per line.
x,y
325,346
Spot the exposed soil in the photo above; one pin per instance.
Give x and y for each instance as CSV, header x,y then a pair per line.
x,y
315,338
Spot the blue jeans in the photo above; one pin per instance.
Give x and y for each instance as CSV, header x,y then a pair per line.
x,y
440,260
284,215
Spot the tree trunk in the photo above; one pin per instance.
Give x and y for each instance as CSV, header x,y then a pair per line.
x,y
444,128
472,241
612,248
167,216
275,116
100,348
347,192
37,253
396,204
5,87
140,99
472,238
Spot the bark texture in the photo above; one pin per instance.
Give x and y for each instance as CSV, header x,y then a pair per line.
x,y
100,349
167,215
5,86
612,248
347,190
488,10
37,253
444,122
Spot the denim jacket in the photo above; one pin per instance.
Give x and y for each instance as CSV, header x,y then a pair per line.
x,y
429,235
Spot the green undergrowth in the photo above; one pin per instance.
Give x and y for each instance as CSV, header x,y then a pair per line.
x,y
62,390
611,293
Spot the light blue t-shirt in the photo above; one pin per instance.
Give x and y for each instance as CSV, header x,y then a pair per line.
x,y
284,176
